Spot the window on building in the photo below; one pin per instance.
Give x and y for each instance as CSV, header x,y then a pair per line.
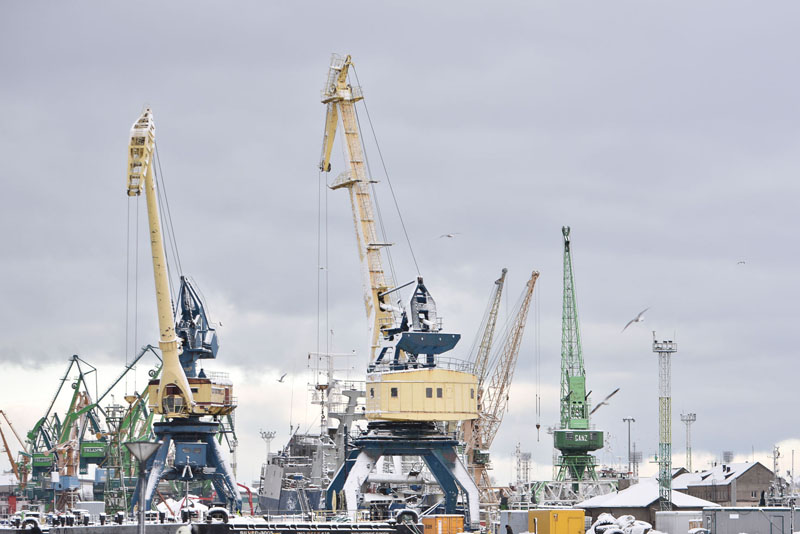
x,y
471,393
438,393
429,392
372,393
394,392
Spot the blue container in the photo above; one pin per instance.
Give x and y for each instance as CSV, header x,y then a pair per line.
x,y
66,483
100,475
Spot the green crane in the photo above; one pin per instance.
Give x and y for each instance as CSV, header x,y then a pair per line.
x,y
575,438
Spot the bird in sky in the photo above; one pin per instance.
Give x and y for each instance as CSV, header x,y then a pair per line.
x,y
450,235
741,262
282,377
604,402
638,319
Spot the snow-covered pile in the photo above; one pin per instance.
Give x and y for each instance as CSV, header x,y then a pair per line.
x,y
626,524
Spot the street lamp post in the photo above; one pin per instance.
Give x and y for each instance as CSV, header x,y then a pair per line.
x,y
629,420
142,451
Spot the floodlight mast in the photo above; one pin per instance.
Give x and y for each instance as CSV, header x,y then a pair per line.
x,y
664,349
629,420
688,419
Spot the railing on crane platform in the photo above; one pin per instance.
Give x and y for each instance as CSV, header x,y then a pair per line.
x,y
452,364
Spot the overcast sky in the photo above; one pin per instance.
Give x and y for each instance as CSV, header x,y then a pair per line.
x,y
665,134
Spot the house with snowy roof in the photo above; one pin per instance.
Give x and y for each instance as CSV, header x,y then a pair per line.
x,y
735,484
641,501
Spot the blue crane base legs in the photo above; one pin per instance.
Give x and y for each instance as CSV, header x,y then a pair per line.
x,y
437,450
197,458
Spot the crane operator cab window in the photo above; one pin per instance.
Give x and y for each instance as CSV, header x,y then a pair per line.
x,y
173,399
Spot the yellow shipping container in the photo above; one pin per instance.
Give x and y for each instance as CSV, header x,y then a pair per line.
x,y
443,524
555,522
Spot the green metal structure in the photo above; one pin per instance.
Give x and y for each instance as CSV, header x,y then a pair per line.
x,y
575,438
87,422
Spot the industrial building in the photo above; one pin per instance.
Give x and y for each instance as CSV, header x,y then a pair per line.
x,y
735,484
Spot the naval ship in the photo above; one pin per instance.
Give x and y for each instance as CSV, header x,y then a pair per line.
x,y
293,480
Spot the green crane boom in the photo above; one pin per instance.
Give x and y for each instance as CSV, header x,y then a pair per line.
x,y
575,438
574,408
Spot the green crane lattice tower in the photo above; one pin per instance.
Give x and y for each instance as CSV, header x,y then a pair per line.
x,y
575,438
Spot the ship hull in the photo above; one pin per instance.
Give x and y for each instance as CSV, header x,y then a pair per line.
x,y
289,502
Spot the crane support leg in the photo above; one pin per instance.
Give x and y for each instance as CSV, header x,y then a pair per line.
x,y
360,470
155,469
451,474
197,457
407,439
225,481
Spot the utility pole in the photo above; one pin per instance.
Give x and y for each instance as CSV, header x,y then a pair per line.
x,y
688,419
664,349
629,420
637,459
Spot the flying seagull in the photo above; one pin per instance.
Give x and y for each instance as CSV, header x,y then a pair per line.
x,y
282,377
451,235
740,262
638,319
605,401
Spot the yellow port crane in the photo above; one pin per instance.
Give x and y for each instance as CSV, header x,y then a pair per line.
x,y
484,348
11,461
410,388
404,382
181,394
20,468
479,433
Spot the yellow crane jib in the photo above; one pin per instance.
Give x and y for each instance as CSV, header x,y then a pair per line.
x,y
493,393
336,91
340,98
173,395
140,152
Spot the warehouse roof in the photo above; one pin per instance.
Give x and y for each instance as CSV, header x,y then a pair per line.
x,y
642,495
719,475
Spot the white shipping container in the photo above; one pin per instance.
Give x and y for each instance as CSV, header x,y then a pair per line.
x,y
518,519
678,522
